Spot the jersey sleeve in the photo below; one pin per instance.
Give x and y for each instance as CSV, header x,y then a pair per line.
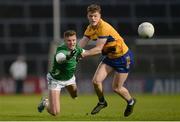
x,y
60,57
61,54
79,49
87,32
61,50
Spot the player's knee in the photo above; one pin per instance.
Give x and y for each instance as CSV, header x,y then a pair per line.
x,y
74,96
118,90
95,82
55,112
115,90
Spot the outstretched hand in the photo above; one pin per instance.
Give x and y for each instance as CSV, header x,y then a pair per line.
x,y
72,53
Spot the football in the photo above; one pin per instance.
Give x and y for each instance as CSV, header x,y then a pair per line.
x,y
146,30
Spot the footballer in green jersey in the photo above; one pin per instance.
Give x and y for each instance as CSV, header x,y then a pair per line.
x,y
61,73
64,69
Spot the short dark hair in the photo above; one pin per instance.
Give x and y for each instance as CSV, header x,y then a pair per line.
x,y
94,8
69,33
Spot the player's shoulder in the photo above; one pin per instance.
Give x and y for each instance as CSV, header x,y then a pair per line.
x,y
104,24
61,47
88,27
89,31
78,47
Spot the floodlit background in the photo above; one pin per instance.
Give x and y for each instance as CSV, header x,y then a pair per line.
x,y
26,28
31,27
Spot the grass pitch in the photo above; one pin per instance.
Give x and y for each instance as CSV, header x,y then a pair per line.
x,y
148,108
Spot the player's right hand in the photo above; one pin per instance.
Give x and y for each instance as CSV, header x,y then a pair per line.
x,y
72,53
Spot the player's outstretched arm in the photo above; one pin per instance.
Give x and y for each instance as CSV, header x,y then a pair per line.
x,y
60,57
96,50
83,42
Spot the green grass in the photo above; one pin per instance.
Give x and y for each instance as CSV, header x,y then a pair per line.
x,y
148,107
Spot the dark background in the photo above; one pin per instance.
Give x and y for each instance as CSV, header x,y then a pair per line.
x,y
26,27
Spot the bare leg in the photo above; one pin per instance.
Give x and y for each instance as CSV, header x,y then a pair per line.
x,y
54,102
72,89
102,71
118,87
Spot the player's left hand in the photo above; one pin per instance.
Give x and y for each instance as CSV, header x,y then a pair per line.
x,y
107,50
78,58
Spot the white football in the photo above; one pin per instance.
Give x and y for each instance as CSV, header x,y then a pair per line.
x,y
146,30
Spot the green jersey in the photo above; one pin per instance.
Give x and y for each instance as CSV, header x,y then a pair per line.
x,y
66,69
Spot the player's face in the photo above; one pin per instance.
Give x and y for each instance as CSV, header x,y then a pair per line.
x,y
93,18
71,42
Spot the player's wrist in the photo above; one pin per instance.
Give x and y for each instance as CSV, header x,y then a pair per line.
x,y
83,54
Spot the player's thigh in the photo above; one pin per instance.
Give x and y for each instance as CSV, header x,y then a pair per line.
x,y
54,99
102,71
119,79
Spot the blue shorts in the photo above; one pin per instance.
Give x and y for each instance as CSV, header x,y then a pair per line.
x,y
122,64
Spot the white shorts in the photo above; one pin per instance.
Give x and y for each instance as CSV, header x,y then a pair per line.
x,y
54,84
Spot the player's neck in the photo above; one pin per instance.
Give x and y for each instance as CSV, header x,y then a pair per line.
x,y
96,26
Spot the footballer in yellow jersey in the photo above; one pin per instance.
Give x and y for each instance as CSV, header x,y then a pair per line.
x,y
114,40
118,58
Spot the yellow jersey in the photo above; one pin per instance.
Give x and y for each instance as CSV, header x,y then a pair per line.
x,y
105,30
